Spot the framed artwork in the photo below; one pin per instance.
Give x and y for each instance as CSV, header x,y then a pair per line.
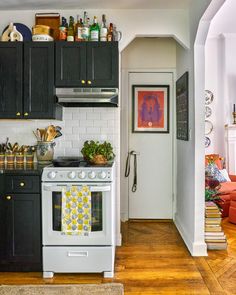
x,y
182,114
150,108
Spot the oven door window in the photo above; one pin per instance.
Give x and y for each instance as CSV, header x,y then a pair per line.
x,y
97,209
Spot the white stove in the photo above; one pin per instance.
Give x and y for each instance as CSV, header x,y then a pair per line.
x,y
85,174
79,254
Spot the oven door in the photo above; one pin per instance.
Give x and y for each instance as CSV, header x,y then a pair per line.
x,y
102,215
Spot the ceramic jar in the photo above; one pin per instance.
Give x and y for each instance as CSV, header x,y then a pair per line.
x,y
45,151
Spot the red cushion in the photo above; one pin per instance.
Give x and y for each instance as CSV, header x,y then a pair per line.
x,y
227,187
233,196
217,161
226,197
232,214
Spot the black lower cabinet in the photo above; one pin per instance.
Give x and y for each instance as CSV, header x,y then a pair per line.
x,y
20,232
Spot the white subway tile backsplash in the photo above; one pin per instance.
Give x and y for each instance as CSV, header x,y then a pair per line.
x,y
86,123
93,130
92,116
79,130
78,125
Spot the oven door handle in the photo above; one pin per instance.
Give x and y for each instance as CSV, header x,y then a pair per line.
x,y
59,188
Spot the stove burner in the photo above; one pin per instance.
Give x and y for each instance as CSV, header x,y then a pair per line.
x,y
75,162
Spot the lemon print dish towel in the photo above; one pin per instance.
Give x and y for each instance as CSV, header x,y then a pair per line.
x,y
76,210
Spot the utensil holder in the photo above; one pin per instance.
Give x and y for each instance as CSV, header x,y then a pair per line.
x,y
19,159
45,151
2,159
29,159
10,159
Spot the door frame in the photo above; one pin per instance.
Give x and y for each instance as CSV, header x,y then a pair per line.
x,y
124,138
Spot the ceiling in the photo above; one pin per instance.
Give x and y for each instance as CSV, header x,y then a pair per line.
x,y
93,4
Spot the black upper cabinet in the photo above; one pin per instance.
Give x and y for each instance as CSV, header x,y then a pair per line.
x,y
70,64
87,64
11,65
39,96
27,87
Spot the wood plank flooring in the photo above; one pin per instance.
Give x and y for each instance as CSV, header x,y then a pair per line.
x,y
154,260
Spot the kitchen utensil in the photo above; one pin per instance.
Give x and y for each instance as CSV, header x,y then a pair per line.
x,y
208,127
23,29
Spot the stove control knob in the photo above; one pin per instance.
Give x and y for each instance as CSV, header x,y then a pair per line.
x,y
92,175
81,174
52,175
102,175
71,175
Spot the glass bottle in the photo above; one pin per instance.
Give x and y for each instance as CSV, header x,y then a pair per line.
x,y
78,29
110,36
85,29
94,30
63,29
103,30
71,33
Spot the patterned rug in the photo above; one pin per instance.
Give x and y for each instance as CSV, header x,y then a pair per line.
x,y
83,289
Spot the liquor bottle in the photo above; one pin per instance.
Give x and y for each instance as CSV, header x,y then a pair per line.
x,y
94,30
85,29
103,30
71,33
110,36
63,29
78,29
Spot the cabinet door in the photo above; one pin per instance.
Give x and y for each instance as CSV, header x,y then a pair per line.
x,y
22,230
70,64
102,64
39,94
11,80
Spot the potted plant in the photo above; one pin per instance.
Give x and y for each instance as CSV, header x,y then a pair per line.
x,y
97,153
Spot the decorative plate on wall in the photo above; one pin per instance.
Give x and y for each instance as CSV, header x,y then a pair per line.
x,y
207,142
208,112
208,97
208,127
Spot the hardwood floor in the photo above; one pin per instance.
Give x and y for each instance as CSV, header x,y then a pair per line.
x,y
154,260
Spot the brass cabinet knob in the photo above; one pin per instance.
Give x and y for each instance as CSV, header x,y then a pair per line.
x,y
8,197
83,81
22,184
89,82
18,113
26,114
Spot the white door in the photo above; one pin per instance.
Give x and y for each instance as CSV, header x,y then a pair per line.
x,y
153,197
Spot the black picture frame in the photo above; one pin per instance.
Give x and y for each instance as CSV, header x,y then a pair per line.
x,y
182,107
159,109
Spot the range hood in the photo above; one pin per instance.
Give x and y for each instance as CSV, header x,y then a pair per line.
x,y
87,97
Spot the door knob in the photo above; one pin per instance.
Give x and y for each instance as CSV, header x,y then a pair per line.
x,y
26,114
83,81
8,197
22,184
89,82
18,113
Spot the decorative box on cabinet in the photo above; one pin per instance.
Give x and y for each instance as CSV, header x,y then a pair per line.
x,y
20,227
87,64
27,81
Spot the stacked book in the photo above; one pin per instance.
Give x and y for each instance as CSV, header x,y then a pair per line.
x,y
214,235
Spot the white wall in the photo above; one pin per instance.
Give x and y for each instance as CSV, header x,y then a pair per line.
x,y
190,155
142,54
221,72
131,22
